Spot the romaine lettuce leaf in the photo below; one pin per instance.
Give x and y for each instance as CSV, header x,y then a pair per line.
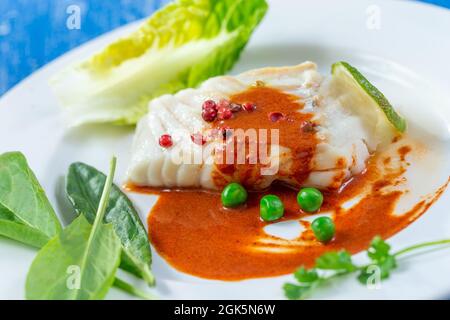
x,y
181,45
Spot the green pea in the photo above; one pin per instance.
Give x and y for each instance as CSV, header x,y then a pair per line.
x,y
234,195
323,228
310,199
271,208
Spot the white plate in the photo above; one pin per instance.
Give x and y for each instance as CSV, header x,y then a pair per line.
x,y
402,46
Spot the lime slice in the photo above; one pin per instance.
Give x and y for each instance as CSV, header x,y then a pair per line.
x,y
364,99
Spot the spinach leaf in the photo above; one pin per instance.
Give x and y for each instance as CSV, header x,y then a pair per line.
x,y
26,215
84,185
78,264
81,262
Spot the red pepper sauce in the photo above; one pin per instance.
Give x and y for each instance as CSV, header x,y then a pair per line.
x,y
292,135
194,233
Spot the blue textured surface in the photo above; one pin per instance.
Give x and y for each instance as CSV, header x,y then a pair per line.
x,y
443,3
34,32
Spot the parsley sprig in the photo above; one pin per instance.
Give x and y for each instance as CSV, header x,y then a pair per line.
x,y
332,265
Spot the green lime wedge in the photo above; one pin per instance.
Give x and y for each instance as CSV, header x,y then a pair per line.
x,y
367,101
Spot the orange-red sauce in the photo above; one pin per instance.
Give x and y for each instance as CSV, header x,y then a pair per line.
x,y
196,235
292,134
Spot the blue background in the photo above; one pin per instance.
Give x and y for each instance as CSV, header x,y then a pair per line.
x,y
34,32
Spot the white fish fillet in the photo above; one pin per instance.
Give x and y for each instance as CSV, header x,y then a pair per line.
x,y
342,151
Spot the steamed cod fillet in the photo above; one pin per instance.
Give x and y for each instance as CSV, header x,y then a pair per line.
x,y
343,142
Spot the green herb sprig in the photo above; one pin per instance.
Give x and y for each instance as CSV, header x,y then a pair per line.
x,y
332,265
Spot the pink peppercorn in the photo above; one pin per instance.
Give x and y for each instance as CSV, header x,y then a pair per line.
x,y
275,116
225,114
198,138
223,104
165,141
209,105
234,107
249,107
209,111
209,115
